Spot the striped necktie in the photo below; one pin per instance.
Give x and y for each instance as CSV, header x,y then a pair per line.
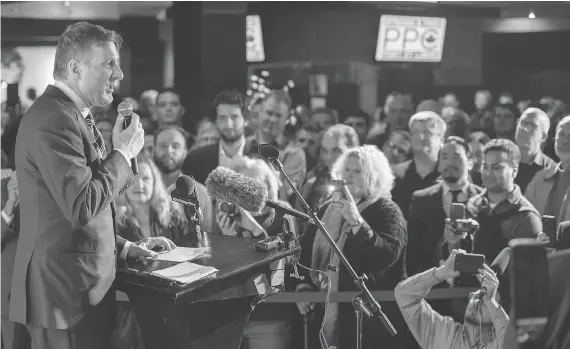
x,y
99,142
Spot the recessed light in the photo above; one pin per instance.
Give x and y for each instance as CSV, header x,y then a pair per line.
x,y
531,15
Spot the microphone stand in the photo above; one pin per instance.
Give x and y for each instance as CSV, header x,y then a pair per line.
x,y
364,299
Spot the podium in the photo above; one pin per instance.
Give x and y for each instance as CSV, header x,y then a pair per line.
x,y
210,313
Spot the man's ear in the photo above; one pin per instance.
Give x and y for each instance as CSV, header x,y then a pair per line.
x,y
182,110
75,68
470,164
515,171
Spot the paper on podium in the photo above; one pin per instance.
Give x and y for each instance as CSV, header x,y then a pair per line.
x,y
181,254
186,272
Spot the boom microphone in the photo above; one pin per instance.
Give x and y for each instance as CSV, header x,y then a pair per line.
x,y
227,185
250,194
126,110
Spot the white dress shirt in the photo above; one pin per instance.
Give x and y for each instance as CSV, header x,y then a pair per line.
x,y
448,196
81,105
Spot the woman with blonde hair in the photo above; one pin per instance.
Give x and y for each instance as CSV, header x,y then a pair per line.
x,y
144,210
371,231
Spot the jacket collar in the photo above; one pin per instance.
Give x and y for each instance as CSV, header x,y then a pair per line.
x,y
480,202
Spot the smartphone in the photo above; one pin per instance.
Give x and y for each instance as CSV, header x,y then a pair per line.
x,y
457,212
469,263
335,186
549,228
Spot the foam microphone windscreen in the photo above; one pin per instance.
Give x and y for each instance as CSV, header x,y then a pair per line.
x,y
185,185
227,185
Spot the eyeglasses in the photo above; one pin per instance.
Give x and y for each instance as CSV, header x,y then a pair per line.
x,y
529,126
426,133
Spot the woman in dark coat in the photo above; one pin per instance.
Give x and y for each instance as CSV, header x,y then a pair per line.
x,y
371,231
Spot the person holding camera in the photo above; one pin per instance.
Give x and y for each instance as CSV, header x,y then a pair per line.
x,y
269,325
485,322
431,208
371,231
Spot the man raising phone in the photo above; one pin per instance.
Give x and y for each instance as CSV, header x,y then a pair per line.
x,y
67,246
485,321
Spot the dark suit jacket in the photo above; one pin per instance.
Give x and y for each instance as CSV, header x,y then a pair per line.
x,y
9,242
425,227
66,254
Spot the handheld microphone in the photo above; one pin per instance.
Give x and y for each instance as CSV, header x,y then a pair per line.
x,y
250,194
185,193
126,110
499,266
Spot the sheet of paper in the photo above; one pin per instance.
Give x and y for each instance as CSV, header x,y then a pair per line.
x,y
186,272
182,254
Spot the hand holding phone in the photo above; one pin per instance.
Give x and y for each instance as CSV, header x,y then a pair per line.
x,y
469,263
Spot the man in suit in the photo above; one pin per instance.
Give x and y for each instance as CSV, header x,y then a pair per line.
x,y
67,247
229,109
431,207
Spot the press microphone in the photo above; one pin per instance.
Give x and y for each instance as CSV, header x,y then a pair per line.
x,y
185,193
126,110
249,193
227,185
499,266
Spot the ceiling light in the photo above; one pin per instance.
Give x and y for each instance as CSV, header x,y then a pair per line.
x,y
531,15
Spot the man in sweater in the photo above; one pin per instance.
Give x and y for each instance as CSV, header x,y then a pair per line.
x,y
485,320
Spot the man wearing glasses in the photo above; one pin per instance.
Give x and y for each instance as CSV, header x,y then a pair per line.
x,y
532,131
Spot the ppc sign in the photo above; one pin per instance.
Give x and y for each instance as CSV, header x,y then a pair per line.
x,y
410,39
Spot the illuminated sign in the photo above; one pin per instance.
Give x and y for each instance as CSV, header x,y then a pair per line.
x,y
254,51
410,39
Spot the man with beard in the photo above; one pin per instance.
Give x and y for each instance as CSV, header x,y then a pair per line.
x,y
431,207
169,153
229,108
531,133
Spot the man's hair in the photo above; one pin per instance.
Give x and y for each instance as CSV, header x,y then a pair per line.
x,y
565,120
325,110
280,96
478,137
188,138
486,93
76,42
511,107
542,118
459,141
309,128
359,113
231,97
167,90
505,146
345,131
429,116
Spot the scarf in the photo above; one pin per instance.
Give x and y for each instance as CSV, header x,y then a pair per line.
x,y
323,255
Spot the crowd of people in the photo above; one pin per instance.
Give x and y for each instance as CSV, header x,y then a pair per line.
x,y
403,168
